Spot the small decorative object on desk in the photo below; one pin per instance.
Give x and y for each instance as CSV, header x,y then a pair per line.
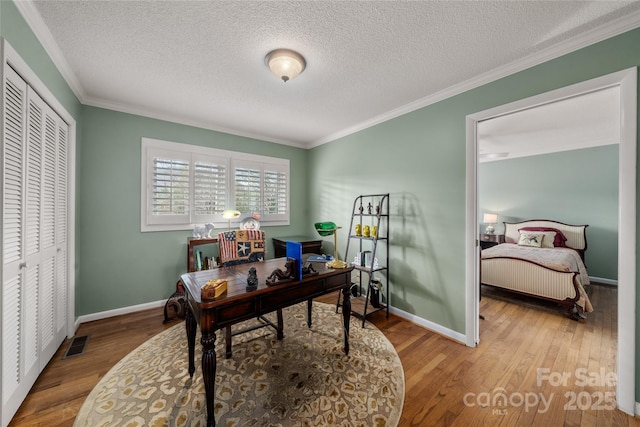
x,y
369,207
358,230
203,231
308,270
213,289
252,280
367,231
250,223
280,276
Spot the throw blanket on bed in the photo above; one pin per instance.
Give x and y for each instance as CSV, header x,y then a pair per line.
x,y
560,259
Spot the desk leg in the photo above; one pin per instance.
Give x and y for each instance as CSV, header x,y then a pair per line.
x,y
191,325
346,315
280,330
208,342
309,309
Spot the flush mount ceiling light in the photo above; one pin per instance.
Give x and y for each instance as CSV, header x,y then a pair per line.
x,y
285,64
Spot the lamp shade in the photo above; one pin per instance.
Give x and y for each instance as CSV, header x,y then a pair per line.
x,y
326,228
490,218
230,214
285,64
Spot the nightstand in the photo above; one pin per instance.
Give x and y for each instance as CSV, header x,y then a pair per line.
x,y
488,240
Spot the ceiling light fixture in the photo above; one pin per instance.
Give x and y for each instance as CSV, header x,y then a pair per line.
x,y
285,64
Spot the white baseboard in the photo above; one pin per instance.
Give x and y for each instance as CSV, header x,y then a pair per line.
x,y
456,336
603,281
637,409
118,312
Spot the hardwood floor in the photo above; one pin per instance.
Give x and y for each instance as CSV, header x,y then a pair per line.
x,y
447,383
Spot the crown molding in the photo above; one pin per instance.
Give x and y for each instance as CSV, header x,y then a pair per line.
x,y
601,33
34,20
149,113
31,15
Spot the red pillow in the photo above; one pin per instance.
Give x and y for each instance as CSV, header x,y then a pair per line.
x,y
558,241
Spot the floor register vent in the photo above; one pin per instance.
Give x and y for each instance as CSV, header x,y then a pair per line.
x,y
76,347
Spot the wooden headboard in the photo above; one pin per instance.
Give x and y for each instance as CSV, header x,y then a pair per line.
x,y
576,234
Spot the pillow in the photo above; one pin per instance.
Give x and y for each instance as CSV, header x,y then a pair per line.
x,y
528,238
559,239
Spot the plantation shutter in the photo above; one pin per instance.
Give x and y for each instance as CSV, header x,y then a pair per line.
x,y
210,188
169,192
276,193
247,179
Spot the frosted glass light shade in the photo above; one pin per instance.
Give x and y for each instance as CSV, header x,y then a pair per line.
x,y
285,64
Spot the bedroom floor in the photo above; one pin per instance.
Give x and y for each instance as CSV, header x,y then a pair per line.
x,y
445,381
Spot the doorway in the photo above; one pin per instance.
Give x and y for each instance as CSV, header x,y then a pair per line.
x,y
626,80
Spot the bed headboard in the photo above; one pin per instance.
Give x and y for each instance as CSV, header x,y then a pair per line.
x,y
576,234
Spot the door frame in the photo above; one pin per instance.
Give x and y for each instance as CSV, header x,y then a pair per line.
x,y
626,80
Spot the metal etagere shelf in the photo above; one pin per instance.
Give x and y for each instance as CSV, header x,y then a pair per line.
x,y
369,227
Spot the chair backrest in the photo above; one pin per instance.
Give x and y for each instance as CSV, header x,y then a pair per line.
x,y
241,246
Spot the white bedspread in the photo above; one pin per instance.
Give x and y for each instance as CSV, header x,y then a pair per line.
x,y
560,259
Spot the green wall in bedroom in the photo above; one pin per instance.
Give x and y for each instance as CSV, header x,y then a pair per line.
x,y
120,265
574,187
420,159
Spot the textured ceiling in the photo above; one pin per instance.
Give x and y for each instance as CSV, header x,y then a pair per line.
x,y
202,62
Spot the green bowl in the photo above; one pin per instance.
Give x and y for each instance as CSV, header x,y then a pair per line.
x,y
326,228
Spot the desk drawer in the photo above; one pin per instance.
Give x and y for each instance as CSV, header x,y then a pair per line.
x,y
235,312
337,282
291,295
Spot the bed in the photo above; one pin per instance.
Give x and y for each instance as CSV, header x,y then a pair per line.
x,y
542,259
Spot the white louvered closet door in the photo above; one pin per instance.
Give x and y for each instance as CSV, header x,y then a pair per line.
x,y
34,254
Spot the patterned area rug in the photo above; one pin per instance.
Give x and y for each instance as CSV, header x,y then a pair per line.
x,y
303,380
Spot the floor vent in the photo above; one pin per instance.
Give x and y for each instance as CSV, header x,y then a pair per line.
x,y
76,347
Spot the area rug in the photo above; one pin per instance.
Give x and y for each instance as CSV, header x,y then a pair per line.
x,y
303,380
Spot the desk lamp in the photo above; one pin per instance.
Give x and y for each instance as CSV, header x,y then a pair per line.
x,y
230,214
327,229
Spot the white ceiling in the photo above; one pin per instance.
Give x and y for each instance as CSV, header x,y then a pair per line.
x,y
202,62
588,120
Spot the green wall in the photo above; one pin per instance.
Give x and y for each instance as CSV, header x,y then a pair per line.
x,y
420,159
120,265
574,187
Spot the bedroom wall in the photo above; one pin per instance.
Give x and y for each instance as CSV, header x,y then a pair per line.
x,y
120,265
574,187
420,159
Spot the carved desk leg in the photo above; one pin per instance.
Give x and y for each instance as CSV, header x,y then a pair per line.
x,y
191,325
208,341
346,315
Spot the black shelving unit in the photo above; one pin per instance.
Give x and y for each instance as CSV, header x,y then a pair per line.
x,y
369,211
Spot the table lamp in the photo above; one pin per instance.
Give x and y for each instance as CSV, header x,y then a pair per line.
x,y
230,214
327,229
490,219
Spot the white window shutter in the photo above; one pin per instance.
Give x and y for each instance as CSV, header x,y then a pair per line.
x,y
247,194
275,193
210,188
169,187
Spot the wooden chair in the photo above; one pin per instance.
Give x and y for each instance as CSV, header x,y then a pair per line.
x,y
240,247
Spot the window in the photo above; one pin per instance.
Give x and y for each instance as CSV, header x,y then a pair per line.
x,y
184,185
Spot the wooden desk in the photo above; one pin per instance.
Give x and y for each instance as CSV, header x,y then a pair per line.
x,y
309,245
238,305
